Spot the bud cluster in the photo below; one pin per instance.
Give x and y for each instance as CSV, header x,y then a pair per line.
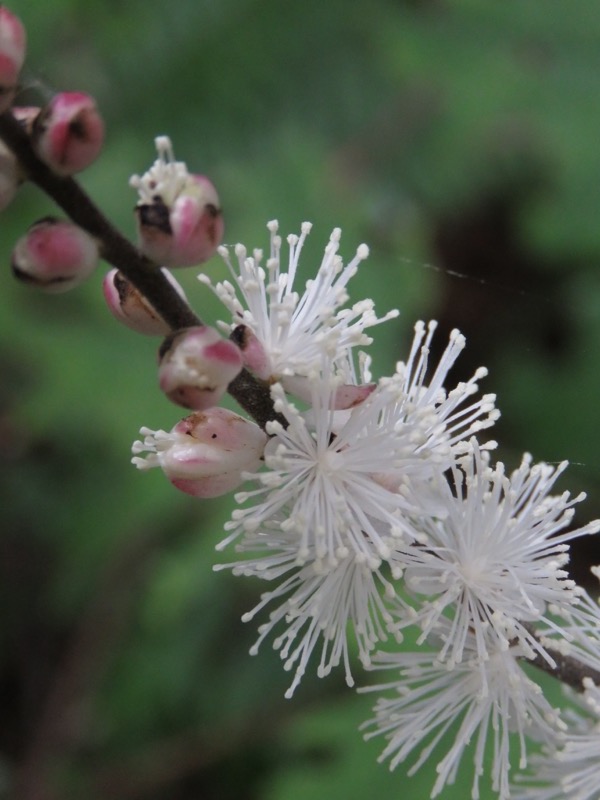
x,y
66,134
179,223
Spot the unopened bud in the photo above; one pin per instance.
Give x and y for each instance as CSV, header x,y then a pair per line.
x,y
129,306
178,216
54,255
196,366
68,133
10,175
12,55
254,353
206,453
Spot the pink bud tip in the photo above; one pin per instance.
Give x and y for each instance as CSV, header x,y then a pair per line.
x,y
196,366
12,55
130,307
68,133
54,255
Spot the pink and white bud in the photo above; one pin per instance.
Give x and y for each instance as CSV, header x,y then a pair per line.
x,y
10,175
68,134
205,454
54,255
196,367
179,220
129,306
254,354
13,40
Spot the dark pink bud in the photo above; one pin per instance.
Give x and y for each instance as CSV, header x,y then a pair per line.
x,y
196,366
178,216
12,55
68,133
206,453
130,307
54,255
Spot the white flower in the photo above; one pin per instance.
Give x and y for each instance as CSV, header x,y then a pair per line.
x,y
296,328
166,178
495,561
316,606
571,771
319,482
345,482
429,702
435,419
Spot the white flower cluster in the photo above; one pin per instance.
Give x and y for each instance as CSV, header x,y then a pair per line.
x,y
376,508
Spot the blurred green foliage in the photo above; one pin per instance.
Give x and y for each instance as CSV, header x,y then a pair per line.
x,y
460,140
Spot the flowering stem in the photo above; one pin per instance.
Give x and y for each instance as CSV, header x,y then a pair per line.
x,y
252,395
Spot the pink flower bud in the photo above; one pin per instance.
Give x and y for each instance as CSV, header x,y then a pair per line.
x,y
178,216
10,175
54,255
12,55
129,306
68,133
196,366
206,453
254,354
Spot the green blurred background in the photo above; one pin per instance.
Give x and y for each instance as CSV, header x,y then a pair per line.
x,y
461,141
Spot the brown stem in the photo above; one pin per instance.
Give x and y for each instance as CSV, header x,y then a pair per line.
x,y
568,670
252,395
